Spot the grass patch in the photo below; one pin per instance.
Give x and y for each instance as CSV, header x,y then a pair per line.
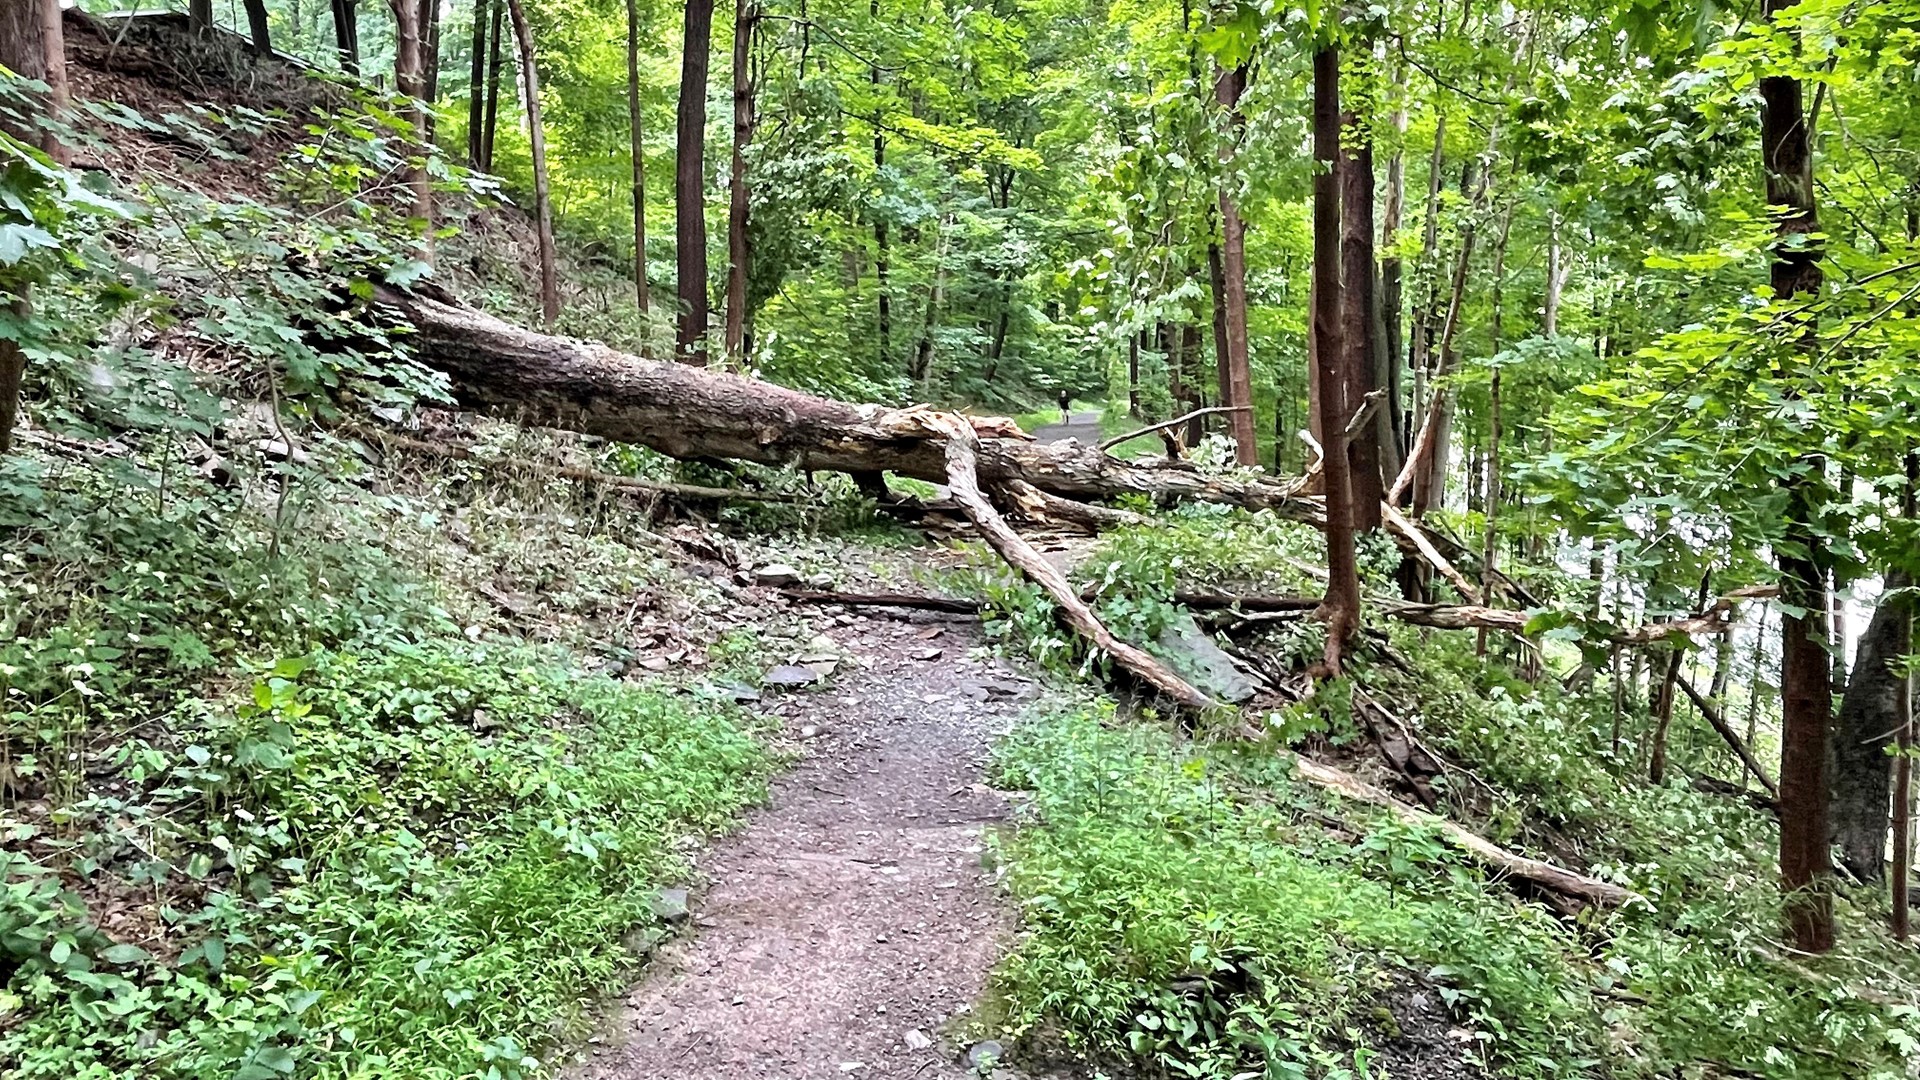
x,y
412,861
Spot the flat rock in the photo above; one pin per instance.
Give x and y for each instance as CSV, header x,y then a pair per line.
x,y
984,1055
1192,654
776,575
670,905
791,676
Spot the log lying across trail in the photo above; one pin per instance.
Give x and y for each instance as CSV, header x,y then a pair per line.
x,y
689,412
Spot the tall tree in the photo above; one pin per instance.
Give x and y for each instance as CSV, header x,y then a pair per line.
x,y
346,34
1870,718
259,33
637,147
1361,350
1237,389
542,199
689,181
882,253
1806,697
739,193
1341,608
53,40
477,81
24,49
409,78
495,61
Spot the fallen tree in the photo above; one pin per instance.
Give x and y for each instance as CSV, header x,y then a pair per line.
x,y
687,412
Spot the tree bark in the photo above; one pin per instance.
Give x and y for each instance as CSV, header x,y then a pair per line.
x,y
258,32
346,34
53,42
1870,719
689,182
1238,388
637,149
739,253
1360,349
542,198
1342,608
1805,673
1420,347
882,254
922,368
477,82
429,60
24,48
1391,285
495,60
199,17
409,78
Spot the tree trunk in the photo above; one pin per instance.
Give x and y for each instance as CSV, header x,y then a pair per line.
x,y
882,254
1238,389
1420,348
1870,718
409,79
1428,462
739,254
346,34
24,48
1391,285
922,368
1805,672
542,199
495,60
1556,279
689,182
429,59
1342,607
1133,375
257,30
636,146
1903,758
53,43
199,16
1355,179
477,83
1217,284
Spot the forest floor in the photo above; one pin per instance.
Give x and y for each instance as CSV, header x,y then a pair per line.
x,y
849,926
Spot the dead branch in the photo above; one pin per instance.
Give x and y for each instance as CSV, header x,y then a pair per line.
x,y
575,472
1533,871
1732,737
1175,422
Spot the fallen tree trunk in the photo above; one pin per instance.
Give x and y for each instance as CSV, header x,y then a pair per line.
x,y
576,472
1732,737
689,412
1540,874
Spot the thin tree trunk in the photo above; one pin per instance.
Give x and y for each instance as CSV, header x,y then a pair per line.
x,y
495,60
409,80
1217,284
199,17
1490,502
739,253
53,41
477,83
1420,348
258,33
1355,178
1133,375
1556,278
1902,823
429,58
689,176
882,253
346,34
24,48
1391,271
1233,258
636,147
1342,607
1806,674
542,199
936,296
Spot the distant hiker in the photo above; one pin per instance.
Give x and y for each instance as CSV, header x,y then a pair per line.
x,y
1066,407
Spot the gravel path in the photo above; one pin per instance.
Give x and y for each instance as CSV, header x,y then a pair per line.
x,y
1084,426
850,920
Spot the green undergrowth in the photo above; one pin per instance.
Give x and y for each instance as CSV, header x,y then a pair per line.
x,y
1192,908
407,860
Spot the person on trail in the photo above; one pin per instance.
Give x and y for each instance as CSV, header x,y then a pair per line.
x,y
1066,407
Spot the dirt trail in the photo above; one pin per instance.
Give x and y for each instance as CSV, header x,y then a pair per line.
x,y
1084,426
853,917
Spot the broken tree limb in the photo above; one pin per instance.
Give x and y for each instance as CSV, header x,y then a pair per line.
x,y
1732,737
1533,871
685,412
961,445
1175,422
575,472
1046,506
1407,531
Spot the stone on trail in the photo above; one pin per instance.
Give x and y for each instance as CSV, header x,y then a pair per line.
x,y
1192,654
776,575
670,905
791,677
917,1039
984,1055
